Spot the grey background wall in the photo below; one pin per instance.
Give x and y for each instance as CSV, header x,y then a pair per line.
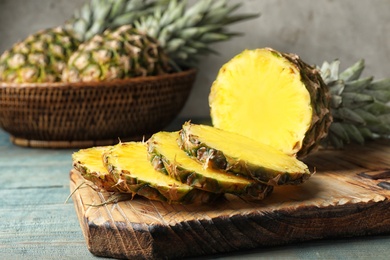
x,y
317,30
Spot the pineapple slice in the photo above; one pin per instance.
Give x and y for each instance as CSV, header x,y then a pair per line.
x,y
166,156
274,98
129,165
90,164
237,154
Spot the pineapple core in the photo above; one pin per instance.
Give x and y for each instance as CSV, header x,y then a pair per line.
x,y
260,94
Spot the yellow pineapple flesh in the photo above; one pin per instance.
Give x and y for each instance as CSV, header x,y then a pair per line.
x,y
238,154
272,97
128,163
166,156
90,165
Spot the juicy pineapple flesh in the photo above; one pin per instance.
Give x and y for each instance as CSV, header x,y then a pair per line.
x,y
125,169
263,160
170,149
130,164
131,159
182,167
264,99
90,160
90,164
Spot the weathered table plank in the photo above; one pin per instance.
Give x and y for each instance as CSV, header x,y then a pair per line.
x,y
35,222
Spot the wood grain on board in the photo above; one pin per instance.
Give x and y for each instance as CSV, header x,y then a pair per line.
x,y
347,196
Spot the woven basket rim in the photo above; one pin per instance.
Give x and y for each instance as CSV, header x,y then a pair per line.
x,y
135,80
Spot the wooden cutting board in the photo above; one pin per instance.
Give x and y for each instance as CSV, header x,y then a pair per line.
x,y
347,196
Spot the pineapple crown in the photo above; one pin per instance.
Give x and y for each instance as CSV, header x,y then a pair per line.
x,y
360,106
186,33
98,15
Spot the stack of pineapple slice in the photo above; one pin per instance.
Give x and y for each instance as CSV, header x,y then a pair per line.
x,y
268,109
193,165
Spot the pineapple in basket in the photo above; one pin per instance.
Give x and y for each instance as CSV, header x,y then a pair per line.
x,y
42,56
171,38
182,34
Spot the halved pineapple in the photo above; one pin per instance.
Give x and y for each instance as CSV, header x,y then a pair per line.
x,y
129,164
166,155
274,98
238,154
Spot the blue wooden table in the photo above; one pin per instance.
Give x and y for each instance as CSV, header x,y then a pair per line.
x,y
36,223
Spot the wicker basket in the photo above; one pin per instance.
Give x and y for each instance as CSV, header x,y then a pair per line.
x,y
89,114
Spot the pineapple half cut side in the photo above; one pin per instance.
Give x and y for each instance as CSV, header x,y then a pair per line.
x,y
128,163
166,156
238,154
274,98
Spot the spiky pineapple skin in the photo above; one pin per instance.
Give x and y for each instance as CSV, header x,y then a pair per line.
x,y
41,57
217,159
88,162
117,54
321,117
194,177
131,182
320,102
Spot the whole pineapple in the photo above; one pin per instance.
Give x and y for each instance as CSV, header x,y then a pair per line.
x,y
182,34
42,56
360,106
274,98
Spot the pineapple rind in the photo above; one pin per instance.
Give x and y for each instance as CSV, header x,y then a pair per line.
x,y
210,155
41,57
129,165
89,163
320,102
163,149
117,54
55,45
